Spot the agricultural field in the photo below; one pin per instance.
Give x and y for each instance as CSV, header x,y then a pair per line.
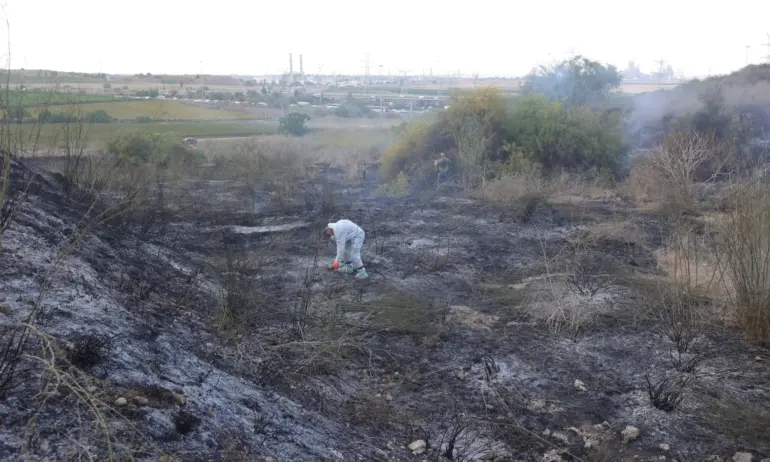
x,y
99,133
157,110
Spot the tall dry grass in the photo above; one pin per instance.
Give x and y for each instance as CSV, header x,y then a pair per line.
x,y
742,245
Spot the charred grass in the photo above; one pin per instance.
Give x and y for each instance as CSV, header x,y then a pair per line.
x,y
474,309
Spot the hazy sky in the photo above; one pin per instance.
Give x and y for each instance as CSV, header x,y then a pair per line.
x,y
500,37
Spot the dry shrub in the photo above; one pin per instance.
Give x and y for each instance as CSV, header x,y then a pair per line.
x,y
666,174
247,296
589,272
531,186
275,164
607,232
689,260
521,191
516,187
742,244
563,300
350,150
682,317
396,188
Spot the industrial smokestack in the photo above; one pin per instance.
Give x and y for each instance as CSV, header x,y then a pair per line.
x,y
301,72
291,67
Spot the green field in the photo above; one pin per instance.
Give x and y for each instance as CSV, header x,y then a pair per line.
x,y
52,133
159,110
32,98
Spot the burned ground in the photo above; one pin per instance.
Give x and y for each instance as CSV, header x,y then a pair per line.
x,y
209,331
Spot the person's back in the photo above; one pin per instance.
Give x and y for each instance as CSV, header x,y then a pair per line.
x,y
443,165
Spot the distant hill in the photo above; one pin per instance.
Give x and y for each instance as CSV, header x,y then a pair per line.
x,y
746,91
38,76
744,88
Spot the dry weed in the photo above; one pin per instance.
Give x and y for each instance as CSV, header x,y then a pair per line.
x,y
666,174
58,382
742,245
517,187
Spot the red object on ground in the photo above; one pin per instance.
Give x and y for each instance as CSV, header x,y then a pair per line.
x,y
336,265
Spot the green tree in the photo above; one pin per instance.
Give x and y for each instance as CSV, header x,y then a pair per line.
x,y
98,117
293,124
548,135
573,81
712,119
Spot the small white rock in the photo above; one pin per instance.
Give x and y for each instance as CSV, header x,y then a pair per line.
x,y
743,457
629,433
664,447
552,456
602,426
121,401
417,447
579,385
560,436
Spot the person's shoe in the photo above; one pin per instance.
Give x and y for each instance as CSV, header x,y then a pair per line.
x,y
361,273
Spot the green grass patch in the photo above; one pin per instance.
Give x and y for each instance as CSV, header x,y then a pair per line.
x,y
403,313
159,110
32,98
106,132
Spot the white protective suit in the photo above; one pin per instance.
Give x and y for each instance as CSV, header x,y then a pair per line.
x,y
350,239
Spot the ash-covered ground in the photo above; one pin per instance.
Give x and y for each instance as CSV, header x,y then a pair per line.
x,y
207,327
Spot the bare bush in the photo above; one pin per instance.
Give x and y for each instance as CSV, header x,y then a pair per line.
x,y
247,296
682,318
667,393
742,244
667,172
588,273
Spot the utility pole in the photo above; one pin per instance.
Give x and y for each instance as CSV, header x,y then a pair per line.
x,y
768,48
660,64
301,69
